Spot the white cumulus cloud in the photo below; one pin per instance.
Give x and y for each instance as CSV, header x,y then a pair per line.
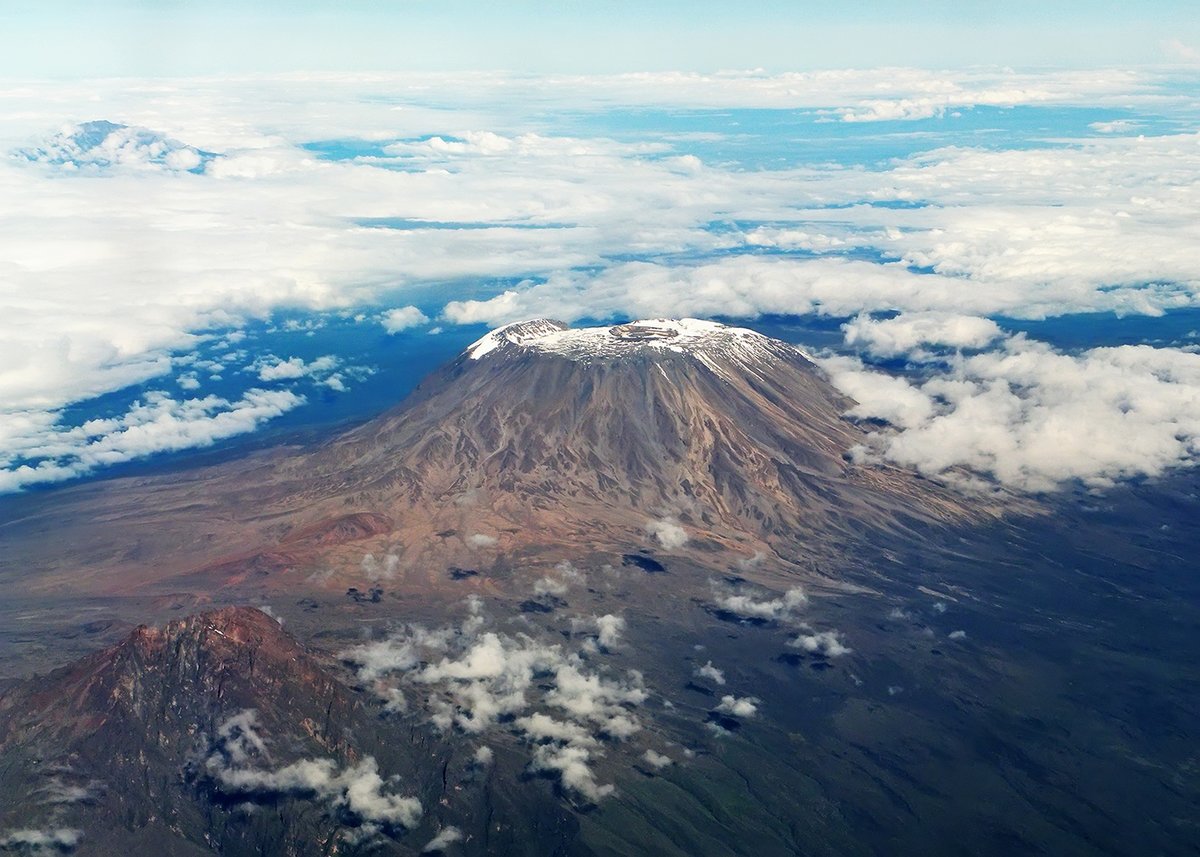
x,y
1033,418
907,332
402,318
156,423
668,533
734,706
237,766
749,607
710,672
828,643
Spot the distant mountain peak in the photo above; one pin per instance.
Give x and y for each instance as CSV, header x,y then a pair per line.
x,y
99,145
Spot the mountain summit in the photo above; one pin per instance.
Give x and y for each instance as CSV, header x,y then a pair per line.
x,y
658,338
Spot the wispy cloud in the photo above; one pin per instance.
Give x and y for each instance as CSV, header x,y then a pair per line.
x,y
239,764
42,840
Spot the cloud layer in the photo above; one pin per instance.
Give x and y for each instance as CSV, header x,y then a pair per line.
x,y
206,203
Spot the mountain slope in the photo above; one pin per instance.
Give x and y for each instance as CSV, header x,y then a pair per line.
x,y
123,746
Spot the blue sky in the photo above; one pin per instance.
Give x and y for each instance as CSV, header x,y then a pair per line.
x,y
140,38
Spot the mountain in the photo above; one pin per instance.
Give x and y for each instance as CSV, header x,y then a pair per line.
x,y
686,438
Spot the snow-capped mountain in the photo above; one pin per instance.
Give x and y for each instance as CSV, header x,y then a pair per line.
x,y
101,145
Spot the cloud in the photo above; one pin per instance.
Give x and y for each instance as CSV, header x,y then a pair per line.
x,y
58,792
188,381
358,788
656,760
717,729
748,607
109,278
474,681
273,368
1025,233
239,739
156,423
743,707
905,333
549,586
957,635
541,727
481,540
927,106
380,569
1032,418
828,643
1115,126
402,318
235,765
609,628
483,756
1181,52
42,840
446,837
559,581
708,671
572,766
668,533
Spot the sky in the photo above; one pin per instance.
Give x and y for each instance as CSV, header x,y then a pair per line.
x,y
163,38
992,213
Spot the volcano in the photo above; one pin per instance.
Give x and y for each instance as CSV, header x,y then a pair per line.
x,y
540,441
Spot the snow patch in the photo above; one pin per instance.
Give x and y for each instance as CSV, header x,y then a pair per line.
x,y
713,343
